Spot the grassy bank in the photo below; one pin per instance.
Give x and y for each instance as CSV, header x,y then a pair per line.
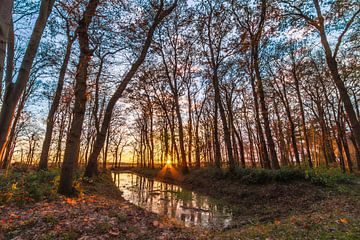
x,y
320,176
284,204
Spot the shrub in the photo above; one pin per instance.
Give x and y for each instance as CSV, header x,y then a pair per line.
x,y
328,177
23,187
318,176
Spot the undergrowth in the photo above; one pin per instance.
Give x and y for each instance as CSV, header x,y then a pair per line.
x,y
318,176
21,187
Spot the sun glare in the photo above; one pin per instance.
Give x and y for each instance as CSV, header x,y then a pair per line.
x,y
168,162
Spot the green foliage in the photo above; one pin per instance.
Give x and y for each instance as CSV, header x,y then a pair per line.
x,y
23,187
50,219
103,227
328,177
69,235
318,176
121,217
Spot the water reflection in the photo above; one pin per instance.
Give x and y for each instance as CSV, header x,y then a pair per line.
x,y
173,201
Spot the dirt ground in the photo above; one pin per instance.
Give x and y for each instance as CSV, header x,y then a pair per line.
x,y
295,210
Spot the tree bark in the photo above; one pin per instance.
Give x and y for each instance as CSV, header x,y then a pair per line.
x,y
14,91
43,164
73,140
6,7
334,71
302,113
264,111
216,145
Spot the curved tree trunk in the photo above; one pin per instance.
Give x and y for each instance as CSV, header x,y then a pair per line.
x,y
100,137
334,71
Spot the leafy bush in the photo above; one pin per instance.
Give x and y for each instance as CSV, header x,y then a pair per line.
x,y
328,177
256,176
22,187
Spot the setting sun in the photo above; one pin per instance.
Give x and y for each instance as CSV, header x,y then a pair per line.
x,y
168,162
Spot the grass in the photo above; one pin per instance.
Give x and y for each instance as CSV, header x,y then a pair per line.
x,y
313,227
318,176
252,176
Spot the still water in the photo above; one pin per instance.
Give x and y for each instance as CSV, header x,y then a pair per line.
x,y
170,200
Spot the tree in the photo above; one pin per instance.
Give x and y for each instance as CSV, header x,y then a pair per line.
x,y
5,25
318,22
73,140
70,38
161,13
13,91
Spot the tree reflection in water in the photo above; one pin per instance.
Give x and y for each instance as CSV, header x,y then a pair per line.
x,y
173,201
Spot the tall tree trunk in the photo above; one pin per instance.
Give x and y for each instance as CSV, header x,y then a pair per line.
x,y
283,158
5,25
227,135
263,153
241,146
216,145
10,54
197,147
334,71
342,134
265,114
43,164
14,91
190,128
73,140
6,159
251,144
166,142
302,113
60,138
184,165
106,150
100,137
151,143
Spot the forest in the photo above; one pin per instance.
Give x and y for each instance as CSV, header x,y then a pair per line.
x,y
179,119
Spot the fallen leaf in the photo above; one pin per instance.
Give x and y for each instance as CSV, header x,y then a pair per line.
x,y
70,201
344,220
114,232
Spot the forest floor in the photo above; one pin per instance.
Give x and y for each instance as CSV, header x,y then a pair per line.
x,y
98,213
294,209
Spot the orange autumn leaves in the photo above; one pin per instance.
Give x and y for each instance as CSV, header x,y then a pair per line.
x,y
73,201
